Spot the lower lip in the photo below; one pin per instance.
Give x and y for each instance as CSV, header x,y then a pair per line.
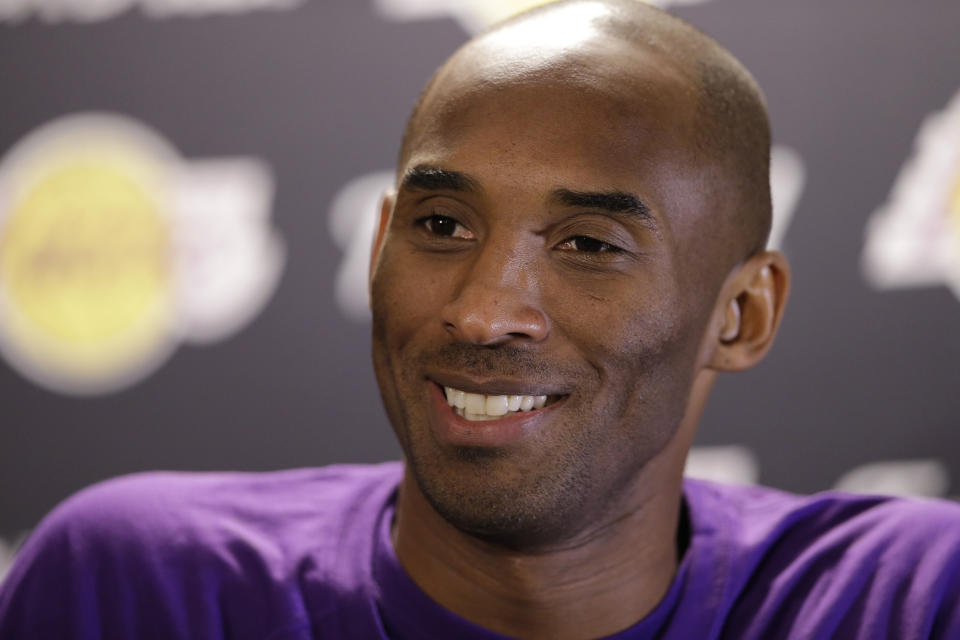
x,y
456,430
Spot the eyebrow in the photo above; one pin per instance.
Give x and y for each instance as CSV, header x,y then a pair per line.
x,y
611,201
428,178
425,177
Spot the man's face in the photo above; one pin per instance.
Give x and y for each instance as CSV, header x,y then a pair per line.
x,y
543,243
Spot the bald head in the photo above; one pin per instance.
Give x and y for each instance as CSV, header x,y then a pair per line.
x,y
645,59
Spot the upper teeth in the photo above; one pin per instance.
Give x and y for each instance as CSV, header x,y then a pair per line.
x,y
478,406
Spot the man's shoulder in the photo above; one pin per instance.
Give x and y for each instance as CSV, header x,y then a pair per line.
x,y
158,504
173,546
755,512
860,564
197,512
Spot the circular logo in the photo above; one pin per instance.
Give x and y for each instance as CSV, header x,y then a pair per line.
x,y
86,280
113,250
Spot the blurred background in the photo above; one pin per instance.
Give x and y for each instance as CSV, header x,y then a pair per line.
x,y
187,191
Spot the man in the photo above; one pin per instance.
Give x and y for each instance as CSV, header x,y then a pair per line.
x,y
574,249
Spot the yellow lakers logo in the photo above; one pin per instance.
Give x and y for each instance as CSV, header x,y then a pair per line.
x,y
913,240
91,275
955,207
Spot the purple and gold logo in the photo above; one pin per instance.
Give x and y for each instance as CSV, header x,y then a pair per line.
x,y
114,250
913,240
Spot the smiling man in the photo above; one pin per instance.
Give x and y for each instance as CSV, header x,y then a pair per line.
x,y
573,250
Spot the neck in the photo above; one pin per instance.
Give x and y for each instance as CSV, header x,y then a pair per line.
x,y
601,582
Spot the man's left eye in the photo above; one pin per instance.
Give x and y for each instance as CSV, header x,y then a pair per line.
x,y
446,227
587,244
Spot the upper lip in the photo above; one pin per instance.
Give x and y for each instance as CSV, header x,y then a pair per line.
x,y
494,386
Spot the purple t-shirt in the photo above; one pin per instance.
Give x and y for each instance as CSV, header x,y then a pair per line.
x,y
306,554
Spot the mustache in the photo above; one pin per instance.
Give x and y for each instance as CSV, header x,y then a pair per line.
x,y
500,360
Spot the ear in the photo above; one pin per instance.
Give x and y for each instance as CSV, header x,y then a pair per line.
x,y
748,312
386,209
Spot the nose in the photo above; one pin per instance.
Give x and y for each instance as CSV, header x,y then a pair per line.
x,y
498,299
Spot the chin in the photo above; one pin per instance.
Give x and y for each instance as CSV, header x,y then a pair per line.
x,y
517,511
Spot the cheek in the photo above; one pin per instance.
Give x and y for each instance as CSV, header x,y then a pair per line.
x,y
663,368
643,355
620,326
404,298
402,305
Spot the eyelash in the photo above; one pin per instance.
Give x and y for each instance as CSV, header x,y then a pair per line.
x,y
427,221
604,247
599,246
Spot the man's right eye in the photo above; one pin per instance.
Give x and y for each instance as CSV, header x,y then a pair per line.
x,y
445,227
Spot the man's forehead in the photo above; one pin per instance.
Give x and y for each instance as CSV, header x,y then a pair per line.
x,y
614,128
535,45
598,79
560,28
589,121
591,59
601,40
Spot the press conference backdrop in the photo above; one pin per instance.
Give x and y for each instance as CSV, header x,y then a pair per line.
x,y
187,191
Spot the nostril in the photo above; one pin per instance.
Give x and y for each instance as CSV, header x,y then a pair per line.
x,y
490,316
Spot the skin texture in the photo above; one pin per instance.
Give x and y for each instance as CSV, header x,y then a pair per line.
x,y
570,220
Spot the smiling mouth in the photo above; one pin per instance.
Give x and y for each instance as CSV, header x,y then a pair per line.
x,y
479,406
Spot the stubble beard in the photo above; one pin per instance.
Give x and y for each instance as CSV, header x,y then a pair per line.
x,y
550,499
484,494
570,493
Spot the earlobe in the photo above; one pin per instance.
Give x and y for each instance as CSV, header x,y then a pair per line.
x,y
755,296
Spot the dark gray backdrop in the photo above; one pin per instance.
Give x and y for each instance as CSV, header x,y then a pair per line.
x,y
320,93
